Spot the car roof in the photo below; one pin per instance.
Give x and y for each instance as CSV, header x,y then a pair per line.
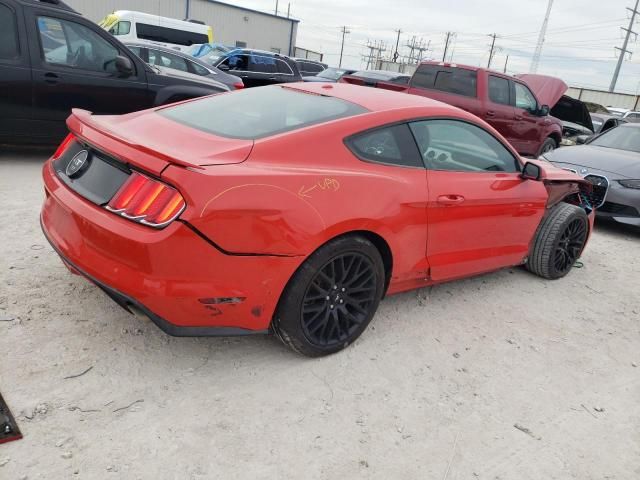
x,y
54,4
159,47
265,53
373,99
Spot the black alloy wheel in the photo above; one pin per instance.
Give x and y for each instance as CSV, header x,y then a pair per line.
x,y
338,299
332,297
570,245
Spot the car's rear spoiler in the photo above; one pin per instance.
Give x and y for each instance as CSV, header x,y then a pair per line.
x,y
83,124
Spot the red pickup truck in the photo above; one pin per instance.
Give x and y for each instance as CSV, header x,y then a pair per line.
x,y
507,103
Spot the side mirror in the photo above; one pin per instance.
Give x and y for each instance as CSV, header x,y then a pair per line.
x,y
544,110
124,66
531,171
223,67
582,139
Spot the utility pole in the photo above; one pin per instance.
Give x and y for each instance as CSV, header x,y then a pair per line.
x,y
395,53
276,8
446,46
543,31
505,64
344,32
623,50
493,45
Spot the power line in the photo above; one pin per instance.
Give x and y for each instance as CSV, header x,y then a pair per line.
x,y
623,50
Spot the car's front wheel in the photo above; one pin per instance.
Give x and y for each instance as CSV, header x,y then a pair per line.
x,y
331,298
559,241
547,146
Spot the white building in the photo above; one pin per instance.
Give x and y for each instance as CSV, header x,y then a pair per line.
x,y
232,25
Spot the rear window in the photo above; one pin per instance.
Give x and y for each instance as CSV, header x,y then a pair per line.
x,y
459,81
260,112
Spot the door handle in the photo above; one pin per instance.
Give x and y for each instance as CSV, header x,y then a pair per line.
x,y
491,113
451,199
51,78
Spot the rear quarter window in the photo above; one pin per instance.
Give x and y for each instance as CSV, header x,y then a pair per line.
x,y
260,112
458,81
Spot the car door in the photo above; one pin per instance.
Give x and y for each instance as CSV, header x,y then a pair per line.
x,y
499,112
392,153
169,60
526,124
15,76
238,64
74,66
482,214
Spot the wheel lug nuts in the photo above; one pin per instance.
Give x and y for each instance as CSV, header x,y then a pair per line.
x,y
331,306
344,289
327,297
341,301
335,287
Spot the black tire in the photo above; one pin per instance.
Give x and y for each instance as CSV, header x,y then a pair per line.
x,y
331,298
559,241
548,145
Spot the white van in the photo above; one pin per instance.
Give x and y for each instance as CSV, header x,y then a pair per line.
x,y
131,26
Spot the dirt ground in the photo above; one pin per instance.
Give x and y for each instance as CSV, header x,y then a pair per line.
x,y
504,376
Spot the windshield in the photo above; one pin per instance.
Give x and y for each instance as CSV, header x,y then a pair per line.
x,y
260,112
332,73
622,138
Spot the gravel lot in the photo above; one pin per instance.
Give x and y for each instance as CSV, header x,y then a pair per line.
x,y
504,376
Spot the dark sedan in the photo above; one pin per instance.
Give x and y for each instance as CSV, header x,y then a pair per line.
x,y
166,57
615,156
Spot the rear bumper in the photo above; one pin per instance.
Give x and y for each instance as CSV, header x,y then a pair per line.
x,y
173,276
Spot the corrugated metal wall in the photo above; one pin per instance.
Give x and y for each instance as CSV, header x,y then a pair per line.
x,y
230,24
605,99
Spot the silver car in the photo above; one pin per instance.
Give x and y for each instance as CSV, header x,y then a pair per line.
x,y
177,60
614,155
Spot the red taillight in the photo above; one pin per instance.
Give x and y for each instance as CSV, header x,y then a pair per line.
x,y
63,146
147,201
238,85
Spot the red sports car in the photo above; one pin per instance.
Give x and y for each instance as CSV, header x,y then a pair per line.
x,y
294,209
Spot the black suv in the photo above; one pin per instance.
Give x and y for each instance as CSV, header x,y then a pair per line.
x,y
257,68
52,60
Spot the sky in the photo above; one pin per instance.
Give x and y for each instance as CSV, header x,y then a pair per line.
x,y
579,46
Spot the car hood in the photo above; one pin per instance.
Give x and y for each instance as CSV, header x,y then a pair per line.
x,y
572,111
616,162
199,79
548,90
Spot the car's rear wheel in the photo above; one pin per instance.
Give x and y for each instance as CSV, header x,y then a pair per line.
x,y
559,241
331,298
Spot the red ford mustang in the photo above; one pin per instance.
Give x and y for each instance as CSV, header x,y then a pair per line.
x,y
295,209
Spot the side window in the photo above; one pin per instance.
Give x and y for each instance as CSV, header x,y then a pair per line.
x,y
424,76
135,50
199,69
456,80
499,90
163,59
524,98
237,62
120,28
8,33
240,44
390,145
261,64
74,45
283,67
461,147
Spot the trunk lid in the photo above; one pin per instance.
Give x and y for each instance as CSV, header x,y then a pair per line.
x,y
152,142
